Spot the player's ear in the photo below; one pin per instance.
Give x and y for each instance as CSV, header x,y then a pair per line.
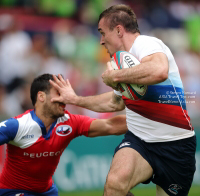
x,y
41,96
120,30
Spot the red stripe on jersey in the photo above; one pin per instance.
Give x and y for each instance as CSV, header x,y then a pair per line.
x,y
163,113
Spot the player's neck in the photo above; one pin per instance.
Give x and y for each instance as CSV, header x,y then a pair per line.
x,y
47,121
129,40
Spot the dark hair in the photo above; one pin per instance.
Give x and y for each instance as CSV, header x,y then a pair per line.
x,y
41,83
120,15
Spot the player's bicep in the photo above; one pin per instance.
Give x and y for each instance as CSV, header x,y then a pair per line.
x,y
160,59
157,66
8,130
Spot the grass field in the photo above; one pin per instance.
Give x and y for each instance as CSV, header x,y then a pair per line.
x,y
195,191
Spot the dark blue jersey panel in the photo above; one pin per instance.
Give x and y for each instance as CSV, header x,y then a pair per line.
x,y
8,130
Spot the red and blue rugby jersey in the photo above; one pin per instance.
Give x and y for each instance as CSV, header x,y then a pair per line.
x,y
32,153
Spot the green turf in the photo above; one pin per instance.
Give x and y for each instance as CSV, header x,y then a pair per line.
x,y
195,191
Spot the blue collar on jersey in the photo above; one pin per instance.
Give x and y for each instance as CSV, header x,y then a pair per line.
x,y
45,134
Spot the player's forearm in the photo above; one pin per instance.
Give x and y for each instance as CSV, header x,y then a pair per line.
x,y
98,103
137,76
152,70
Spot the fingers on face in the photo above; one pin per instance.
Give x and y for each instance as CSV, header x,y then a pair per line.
x,y
56,100
58,80
54,84
61,79
68,83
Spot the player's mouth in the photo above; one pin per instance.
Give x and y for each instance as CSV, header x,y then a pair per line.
x,y
62,105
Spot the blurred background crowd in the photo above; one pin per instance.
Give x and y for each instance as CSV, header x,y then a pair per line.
x,y
61,36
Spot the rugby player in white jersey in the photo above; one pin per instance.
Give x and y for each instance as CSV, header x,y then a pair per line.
x,y
36,139
160,144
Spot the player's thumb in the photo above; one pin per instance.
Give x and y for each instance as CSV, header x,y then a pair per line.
x,y
57,99
109,66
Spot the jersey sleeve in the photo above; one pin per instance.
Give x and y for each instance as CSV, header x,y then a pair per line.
x,y
8,130
145,46
82,124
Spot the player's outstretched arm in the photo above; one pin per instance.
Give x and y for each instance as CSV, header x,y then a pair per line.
x,y
112,126
107,102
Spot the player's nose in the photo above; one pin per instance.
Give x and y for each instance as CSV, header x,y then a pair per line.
x,y
102,42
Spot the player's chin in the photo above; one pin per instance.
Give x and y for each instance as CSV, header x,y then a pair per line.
x,y
60,114
111,53
61,111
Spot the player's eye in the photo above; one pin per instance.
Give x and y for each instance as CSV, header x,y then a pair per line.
x,y
102,33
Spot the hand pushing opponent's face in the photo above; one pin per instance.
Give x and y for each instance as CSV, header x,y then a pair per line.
x,y
53,109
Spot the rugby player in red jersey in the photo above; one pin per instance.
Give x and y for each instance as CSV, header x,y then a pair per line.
x,y
36,139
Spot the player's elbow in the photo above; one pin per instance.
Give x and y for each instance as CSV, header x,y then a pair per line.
x,y
110,129
164,72
117,125
163,76
160,73
117,131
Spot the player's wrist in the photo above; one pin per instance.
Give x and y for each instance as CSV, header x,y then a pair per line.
x,y
76,100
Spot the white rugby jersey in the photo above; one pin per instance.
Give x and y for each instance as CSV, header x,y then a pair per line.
x,y
32,153
161,115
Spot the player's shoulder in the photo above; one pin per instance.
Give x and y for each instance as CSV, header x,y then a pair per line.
x,y
13,123
145,39
10,123
8,130
25,118
145,45
26,113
